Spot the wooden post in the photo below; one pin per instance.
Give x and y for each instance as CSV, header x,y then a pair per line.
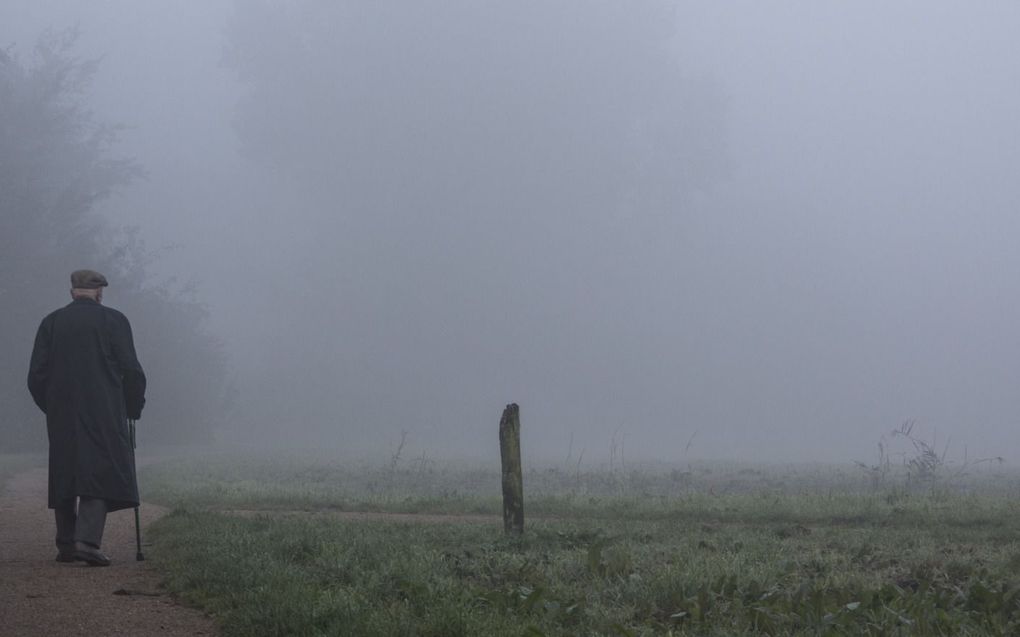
x,y
513,481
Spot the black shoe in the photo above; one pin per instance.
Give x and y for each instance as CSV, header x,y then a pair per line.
x,y
91,556
65,556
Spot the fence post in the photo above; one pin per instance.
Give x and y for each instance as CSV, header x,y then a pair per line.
x,y
513,481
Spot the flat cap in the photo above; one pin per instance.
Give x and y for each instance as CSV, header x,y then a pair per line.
x,y
87,280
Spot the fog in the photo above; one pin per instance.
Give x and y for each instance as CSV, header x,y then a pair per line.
x,y
768,231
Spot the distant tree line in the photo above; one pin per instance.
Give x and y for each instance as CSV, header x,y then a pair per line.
x,y
56,167
491,168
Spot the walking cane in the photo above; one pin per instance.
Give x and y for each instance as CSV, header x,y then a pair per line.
x,y
138,525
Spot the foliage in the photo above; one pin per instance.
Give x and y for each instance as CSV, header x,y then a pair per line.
x,y
57,166
922,465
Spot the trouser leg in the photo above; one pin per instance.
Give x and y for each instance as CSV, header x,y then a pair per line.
x,y
91,521
65,515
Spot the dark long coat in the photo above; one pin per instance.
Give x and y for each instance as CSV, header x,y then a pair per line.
x,y
86,378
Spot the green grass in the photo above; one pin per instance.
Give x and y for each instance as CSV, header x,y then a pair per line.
x,y
294,484
603,561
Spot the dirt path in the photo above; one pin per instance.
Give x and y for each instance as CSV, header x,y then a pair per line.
x,y
375,516
41,597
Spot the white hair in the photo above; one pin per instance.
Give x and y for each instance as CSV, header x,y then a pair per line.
x,y
87,293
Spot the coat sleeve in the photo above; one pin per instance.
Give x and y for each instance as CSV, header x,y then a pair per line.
x,y
38,369
130,369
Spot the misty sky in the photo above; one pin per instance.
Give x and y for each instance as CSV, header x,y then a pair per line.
x,y
851,263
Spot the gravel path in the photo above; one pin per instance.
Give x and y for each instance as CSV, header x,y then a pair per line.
x,y
41,597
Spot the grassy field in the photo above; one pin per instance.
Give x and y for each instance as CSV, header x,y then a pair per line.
x,y
267,547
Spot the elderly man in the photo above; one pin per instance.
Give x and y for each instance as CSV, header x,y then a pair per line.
x,y
85,377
